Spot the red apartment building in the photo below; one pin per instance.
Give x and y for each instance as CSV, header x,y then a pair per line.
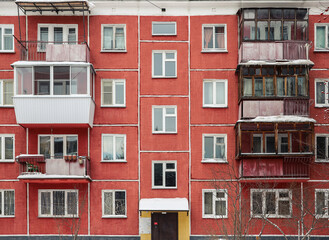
x,y
164,120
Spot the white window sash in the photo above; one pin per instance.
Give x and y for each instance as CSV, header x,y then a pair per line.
x,y
164,34
164,60
214,200
214,93
113,215
326,43
326,93
326,203
114,143
52,143
2,206
4,35
3,147
164,170
115,45
213,48
214,159
164,115
115,82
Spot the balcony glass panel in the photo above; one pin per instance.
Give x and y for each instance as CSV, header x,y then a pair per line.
x,y
249,30
288,30
41,80
262,30
275,30
61,80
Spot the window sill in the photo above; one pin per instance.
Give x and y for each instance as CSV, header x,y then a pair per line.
x,y
164,35
7,161
213,161
164,77
114,216
215,217
6,106
164,188
113,51
9,51
321,50
272,216
113,161
58,217
113,106
321,161
215,106
214,51
164,133
321,106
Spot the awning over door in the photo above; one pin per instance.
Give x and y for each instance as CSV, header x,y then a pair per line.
x,y
164,204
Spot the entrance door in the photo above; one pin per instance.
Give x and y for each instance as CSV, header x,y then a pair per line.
x,y
164,226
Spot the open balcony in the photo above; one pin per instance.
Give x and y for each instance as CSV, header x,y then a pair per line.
x,y
53,51
37,169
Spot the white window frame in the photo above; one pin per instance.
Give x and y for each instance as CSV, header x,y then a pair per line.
x,y
164,34
164,170
3,147
113,204
277,199
52,136
214,199
114,147
326,25
114,81
3,26
164,115
225,38
2,92
214,160
2,215
114,26
213,104
326,148
66,215
280,136
326,202
326,92
164,60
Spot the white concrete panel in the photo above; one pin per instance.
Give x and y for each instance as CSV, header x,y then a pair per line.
x,y
144,225
62,167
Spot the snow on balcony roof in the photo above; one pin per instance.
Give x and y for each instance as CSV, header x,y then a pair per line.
x,y
54,5
281,118
45,63
163,204
48,176
275,63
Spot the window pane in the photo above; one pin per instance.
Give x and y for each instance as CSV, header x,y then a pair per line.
x,y
262,30
208,151
107,92
119,93
170,110
157,58
45,203
291,83
108,203
61,80
302,87
220,93
321,147
72,145
220,208
270,203
208,202
280,90
58,35
208,93
58,203
257,204
289,13
262,13
72,202
1,39
58,147
170,55
41,80
9,203
275,30
8,42
249,30
170,124
320,203
284,144
248,14
45,146
301,14
220,148
79,80
119,38
158,118
158,174
301,30
163,28
270,144
320,36
275,13
170,179
208,37
284,208
8,88
0,153
120,204
288,30
43,37
72,37
24,80
170,165
320,93
108,38
257,144
269,86
170,68
247,86
120,148
220,37
258,86
1,200
107,148
9,148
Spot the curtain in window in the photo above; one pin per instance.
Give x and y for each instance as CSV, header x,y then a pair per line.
x,y
320,92
280,89
108,38
8,39
220,208
108,203
320,37
59,203
107,147
208,202
107,93
9,148
8,91
208,151
9,203
220,148
72,203
270,203
0,38
119,148
208,32
72,145
119,93
220,37
45,203
220,93
207,93
119,38
0,156
120,203
247,86
320,203
269,86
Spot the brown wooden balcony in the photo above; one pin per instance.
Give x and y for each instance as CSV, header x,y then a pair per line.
x,y
273,51
36,168
284,167
53,51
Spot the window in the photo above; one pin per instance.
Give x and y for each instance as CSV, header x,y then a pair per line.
x,y
321,93
214,37
163,28
321,37
113,92
164,64
214,148
214,203
7,203
164,174
6,38
215,93
114,203
322,148
52,80
283,144
271,202
113,37
7,147
58,203
164,119
113,147
321,203
58,146
6,92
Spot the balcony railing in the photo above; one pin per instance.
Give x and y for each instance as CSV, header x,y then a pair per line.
x,y
36,166
53,51
279,51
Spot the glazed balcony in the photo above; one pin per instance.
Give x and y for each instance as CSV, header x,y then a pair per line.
x,y
36,168
53,51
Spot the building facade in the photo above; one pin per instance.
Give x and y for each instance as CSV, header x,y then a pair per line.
x,y
164,119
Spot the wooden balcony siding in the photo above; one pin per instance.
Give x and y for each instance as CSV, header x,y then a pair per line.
x,y
273,51
293,106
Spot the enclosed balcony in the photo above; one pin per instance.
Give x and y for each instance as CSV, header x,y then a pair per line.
x,y
37,169
54,94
